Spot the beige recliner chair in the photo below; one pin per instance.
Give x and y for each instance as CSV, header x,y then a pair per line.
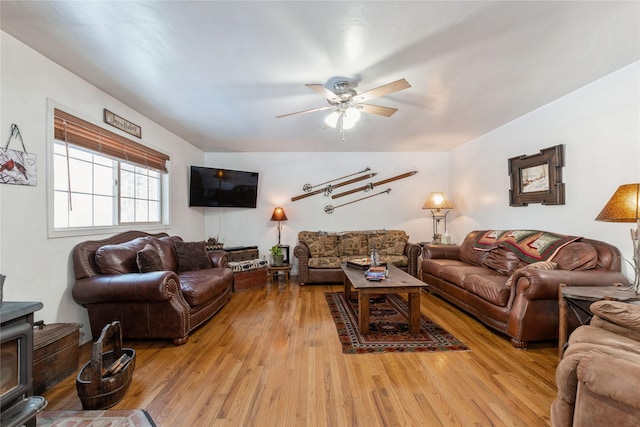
x,y
598,378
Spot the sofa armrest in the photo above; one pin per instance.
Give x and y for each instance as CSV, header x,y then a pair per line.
x,y
157,286
441,252
219,259
302,253
412,252
613,373
543,284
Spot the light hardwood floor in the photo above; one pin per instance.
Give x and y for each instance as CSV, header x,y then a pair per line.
x,y
271,357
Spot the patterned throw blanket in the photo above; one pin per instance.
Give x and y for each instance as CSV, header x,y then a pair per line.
x,y
248,265
529,245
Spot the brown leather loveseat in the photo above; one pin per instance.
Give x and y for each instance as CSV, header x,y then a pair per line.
x,y
509,279
598,378
156,285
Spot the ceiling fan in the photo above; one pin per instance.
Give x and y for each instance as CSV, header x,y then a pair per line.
x,y
348,104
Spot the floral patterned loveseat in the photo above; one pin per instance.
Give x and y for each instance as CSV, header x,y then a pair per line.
x,y
320,253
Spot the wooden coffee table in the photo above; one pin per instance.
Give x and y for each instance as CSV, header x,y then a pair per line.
x,y
398,282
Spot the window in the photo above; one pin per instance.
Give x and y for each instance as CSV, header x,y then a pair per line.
x,y
101,179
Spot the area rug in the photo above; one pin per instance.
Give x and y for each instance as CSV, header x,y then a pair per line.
x,y
388,328
108,418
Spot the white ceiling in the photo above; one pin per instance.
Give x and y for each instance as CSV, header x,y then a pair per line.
x,y
217,73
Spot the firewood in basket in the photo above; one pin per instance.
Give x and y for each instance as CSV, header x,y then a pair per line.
x,y
117,366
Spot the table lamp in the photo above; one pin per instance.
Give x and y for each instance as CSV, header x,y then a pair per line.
x,y
440,206
279,215
624,206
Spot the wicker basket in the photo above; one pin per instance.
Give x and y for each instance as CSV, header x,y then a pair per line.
x,y
97,388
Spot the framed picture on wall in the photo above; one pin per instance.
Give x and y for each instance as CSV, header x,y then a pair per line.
x,y
537,178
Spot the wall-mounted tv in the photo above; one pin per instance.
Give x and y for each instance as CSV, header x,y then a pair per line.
x,y
218,188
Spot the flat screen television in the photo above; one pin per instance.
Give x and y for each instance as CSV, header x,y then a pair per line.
x,y
222,188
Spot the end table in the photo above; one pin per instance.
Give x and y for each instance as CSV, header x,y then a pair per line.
x,y
577,299
274,272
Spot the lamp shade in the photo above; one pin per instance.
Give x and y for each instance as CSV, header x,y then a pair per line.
x,y
623,206
278,215
437,200
332,119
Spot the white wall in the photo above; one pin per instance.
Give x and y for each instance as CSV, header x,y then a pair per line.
x,y
39,268
282,176
599,126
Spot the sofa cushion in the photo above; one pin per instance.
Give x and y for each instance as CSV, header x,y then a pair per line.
x,y
577,256
503,261
192,256
540,265
456,274
120,258
325,262
148,259
397,260
353,244
435,266
489,287
201,286
322,246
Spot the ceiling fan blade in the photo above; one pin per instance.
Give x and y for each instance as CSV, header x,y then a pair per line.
x,y
382,90
306,111
376,109
324,92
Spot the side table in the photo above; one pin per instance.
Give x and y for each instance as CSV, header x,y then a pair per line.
x,y
274,272
577,299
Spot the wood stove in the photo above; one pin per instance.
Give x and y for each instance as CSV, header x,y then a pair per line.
x,y
18,406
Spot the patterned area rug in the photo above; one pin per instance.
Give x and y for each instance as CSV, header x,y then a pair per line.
x,y
110,418
388,328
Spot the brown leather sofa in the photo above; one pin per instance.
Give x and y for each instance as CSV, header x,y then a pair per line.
x,y
475,277
598,378
320,253
181,286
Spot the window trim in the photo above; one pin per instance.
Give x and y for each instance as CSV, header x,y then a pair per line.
x,y
162,226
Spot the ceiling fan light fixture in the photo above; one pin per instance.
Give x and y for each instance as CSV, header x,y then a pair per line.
x,y
350,118
332,119
346,102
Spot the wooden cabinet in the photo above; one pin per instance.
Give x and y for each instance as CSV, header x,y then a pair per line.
x,y
56,351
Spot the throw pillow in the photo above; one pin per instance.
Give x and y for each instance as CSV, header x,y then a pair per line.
x,y
503,261
192,256
353,244
540,265
120,258
148,259
389,243
577,256
323,246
